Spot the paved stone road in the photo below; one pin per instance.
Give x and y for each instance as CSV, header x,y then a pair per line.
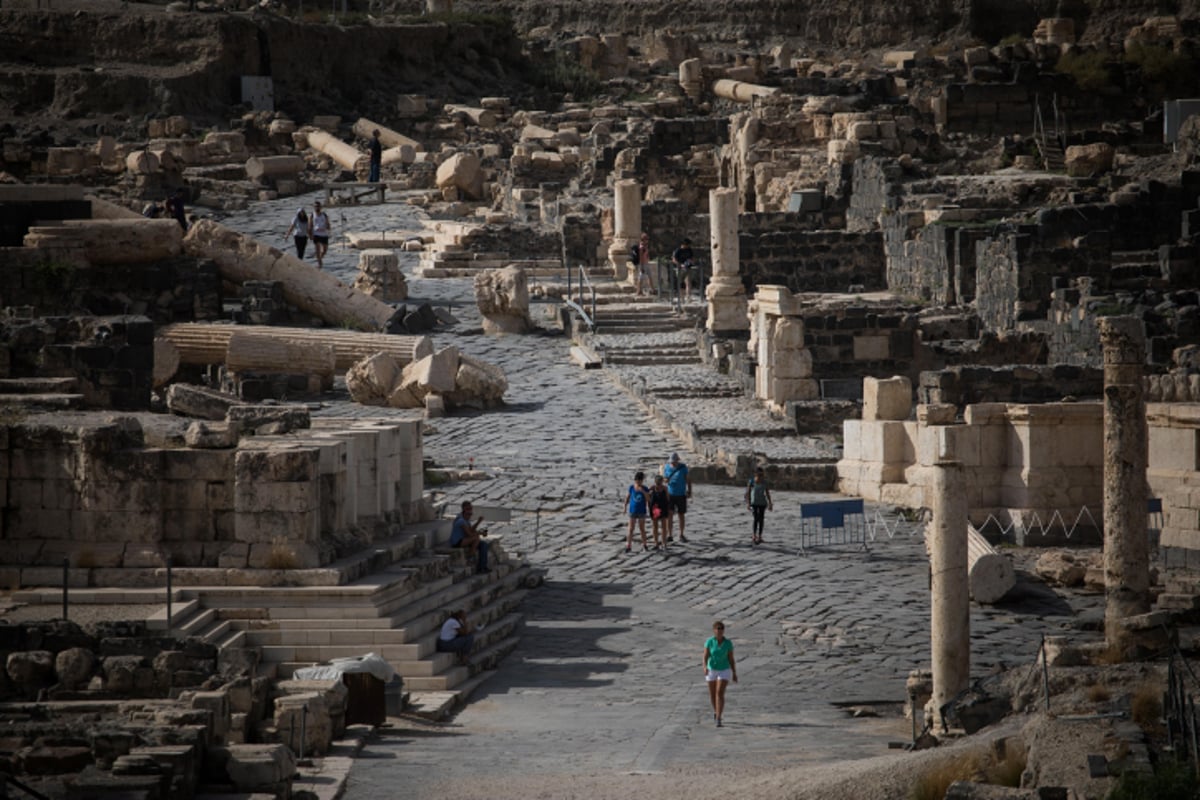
x,y
607,678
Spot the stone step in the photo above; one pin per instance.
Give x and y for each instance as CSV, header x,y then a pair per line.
x,y
459,675
436,706
38,385
45,400
651,359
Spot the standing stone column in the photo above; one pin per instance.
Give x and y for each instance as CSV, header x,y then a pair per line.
x,y
1126,551
949,589
627,223
691,77
726,297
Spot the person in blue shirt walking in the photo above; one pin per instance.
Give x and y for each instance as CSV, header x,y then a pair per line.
x,y
679,489
637,505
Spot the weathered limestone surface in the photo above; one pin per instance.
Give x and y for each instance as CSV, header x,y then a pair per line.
x,y
627,224
112,241
347,155
1126,551
726,296
991,574
263,352
241,258
950,621
461,171
503,298
741,91
387,137
462,380
887,398
207,343
379,275
274,167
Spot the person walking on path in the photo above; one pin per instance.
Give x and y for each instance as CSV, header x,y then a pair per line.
x,y
684,260
719,668
637,504
679,489
320,228
660,511
456,636
758,500
640,255
300,227
469,536
376,149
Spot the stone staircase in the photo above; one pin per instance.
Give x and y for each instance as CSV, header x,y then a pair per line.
x,y
1131,268
450,255
41,393
395,612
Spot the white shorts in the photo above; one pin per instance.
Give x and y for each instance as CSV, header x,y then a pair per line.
x,y
719,675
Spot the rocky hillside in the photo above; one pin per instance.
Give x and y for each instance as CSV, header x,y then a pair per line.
x,y
122,67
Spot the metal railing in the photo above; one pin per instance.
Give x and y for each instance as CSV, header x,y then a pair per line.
x,y
1179,710
669,281
584,283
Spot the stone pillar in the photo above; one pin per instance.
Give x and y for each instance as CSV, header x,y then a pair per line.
x,y
726,296
1126,552
627,223
691,77
949,591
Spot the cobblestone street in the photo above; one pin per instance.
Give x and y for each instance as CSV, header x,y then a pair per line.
x,y
607,678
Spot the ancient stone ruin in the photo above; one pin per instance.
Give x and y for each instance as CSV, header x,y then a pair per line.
x,y
941,262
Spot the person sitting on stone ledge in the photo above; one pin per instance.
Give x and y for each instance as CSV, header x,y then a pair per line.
x,y
470,537
456,636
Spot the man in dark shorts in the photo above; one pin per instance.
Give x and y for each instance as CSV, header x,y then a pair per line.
x,y
376,157
319,225
679,489
685,262
468,535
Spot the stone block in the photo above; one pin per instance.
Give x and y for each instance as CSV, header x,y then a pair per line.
x,y
884,443
790,364
872,348
270,526
887,398
291,709
283,555
285,463
289,496
198,465
118,526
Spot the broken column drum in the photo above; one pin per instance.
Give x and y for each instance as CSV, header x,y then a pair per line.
x,y
347,155
949,592
1126,550
727,307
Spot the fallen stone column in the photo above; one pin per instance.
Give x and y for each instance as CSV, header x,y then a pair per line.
x,y
480,116
740,91
142,162
387,137
112,241
105,209
990,574
347,155
241,258
274,166
204,343
264,352
400,154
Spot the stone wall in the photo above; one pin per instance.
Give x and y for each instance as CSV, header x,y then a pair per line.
x,y
781,249
118,496
1017,271
172,290
1033,469
111,359
967,385
1174,477
875,190
857,341
670,137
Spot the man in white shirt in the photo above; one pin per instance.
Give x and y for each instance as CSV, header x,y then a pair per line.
x,y
320,233
456,636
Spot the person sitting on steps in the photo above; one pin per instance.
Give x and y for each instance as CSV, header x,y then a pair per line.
x,y
469,536
456,636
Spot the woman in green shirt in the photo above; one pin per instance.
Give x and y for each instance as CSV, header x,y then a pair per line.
x,y
719,668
